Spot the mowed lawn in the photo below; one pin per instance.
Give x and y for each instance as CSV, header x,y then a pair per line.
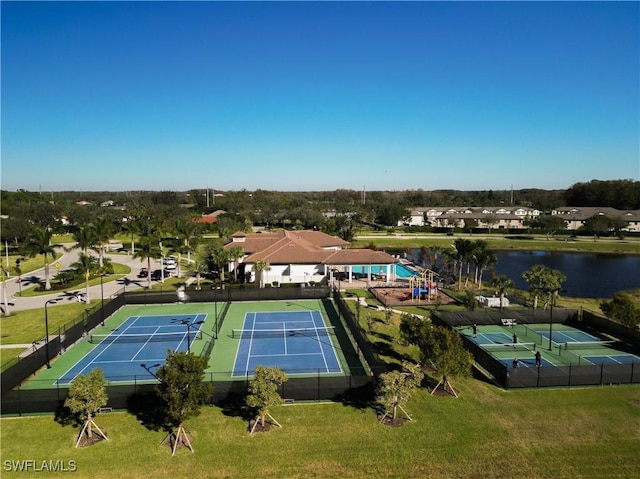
x,y
486,433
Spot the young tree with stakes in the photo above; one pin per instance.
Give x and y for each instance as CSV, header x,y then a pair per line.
x,y
182,391
395,389
263,394
443,349
87,395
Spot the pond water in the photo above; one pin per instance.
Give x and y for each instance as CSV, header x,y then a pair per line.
x,y
589,275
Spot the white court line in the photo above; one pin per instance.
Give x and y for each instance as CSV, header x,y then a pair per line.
x,y
97,356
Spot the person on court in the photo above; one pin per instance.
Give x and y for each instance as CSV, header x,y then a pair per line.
x,y
475,330
538,359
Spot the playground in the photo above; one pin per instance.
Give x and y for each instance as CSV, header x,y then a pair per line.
x,y
419,290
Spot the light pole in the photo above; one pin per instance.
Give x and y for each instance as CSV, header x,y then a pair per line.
x,y
188,324
148,369
46,330
101,298
552,294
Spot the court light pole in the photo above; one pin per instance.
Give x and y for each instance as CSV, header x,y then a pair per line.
x,y
189,325
46,330
552,294
148,369
101,297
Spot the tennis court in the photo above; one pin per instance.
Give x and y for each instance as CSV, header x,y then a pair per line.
x,y
569,346
298,342
137,347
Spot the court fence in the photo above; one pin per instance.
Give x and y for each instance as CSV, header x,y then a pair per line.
x,y
311,387
17,399
556,376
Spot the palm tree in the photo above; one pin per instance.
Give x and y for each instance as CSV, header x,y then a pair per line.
x,y
148,247
463,250
85,237
38,241
482,257
103,229
132,227
85,263
260,267
220,258
235,253
502,283
188,232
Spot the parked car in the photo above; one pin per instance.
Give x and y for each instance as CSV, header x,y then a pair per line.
x,y
169,263
143,273
156,275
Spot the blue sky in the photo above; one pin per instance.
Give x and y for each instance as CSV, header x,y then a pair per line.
x,y
318,96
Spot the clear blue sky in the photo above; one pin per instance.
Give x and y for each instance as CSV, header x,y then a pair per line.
x,y
318,96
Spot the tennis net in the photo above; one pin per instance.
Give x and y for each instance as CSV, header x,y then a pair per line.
x,y
586,344
507,347
282,333
144,338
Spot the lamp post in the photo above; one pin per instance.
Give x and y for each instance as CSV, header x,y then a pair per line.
x,y
552,294
148,369
188,324
46,330
101,298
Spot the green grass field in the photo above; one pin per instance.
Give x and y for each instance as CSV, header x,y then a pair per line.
x,y
555,434
485,433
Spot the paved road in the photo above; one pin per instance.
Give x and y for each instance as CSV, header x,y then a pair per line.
x,y
66,260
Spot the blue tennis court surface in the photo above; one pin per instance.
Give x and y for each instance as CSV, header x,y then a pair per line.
x,y
612,359
561,337
139,340
297,342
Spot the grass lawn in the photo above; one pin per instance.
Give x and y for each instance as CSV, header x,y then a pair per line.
x,y
580,433
26,326
486,432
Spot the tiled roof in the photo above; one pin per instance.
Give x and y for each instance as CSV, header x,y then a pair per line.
x,y
305,247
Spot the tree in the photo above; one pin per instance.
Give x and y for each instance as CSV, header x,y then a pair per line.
x,y
148,248
87,394
502,283
543,281
597,225
463,251
263,394
219,257
442,348
103,228
260,267
482,257
39,242
395,389
235,253
549,224
622,309
182,391
412,328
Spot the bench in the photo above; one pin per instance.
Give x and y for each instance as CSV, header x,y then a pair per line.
x,y
508,322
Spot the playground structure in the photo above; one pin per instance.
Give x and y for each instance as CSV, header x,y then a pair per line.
x,y
423,287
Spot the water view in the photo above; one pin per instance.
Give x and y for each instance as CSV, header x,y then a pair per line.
x,y
589,275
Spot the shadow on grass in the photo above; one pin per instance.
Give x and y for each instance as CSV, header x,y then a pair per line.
x,y
147,408
65,417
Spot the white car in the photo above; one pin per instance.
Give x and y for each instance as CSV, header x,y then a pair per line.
x,y
169,263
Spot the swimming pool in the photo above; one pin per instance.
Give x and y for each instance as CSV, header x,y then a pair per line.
x,y
402,271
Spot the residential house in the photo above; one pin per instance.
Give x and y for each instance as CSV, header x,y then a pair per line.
x,y
575,217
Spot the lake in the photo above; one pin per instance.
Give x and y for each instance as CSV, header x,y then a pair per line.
x,y
589,275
